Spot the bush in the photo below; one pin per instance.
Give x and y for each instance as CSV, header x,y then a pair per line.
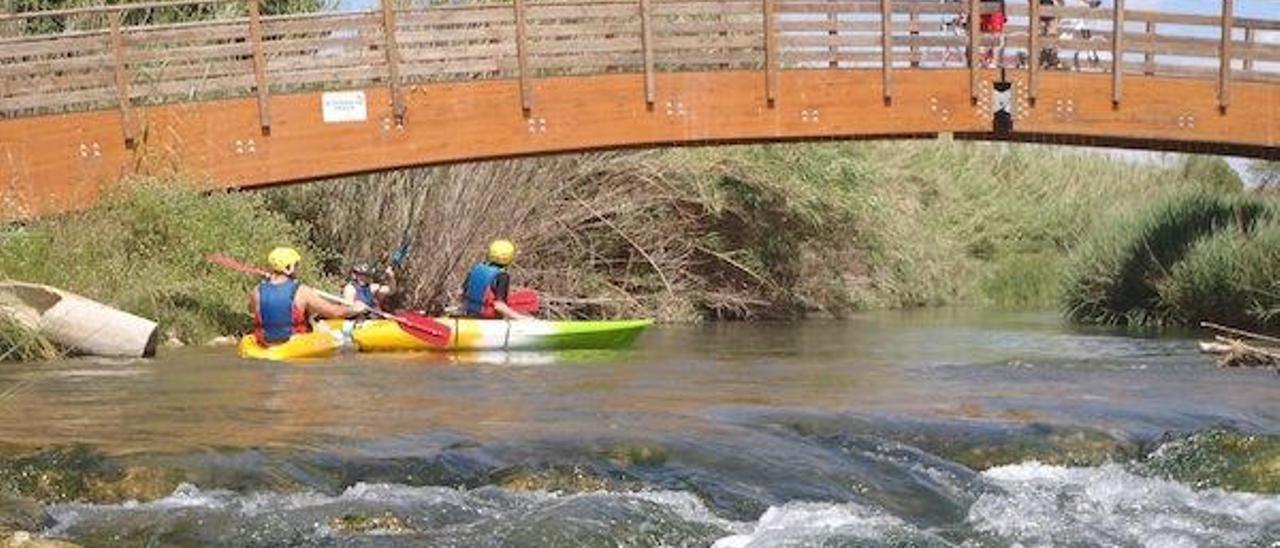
x,y
1118,275
143,251
1229,278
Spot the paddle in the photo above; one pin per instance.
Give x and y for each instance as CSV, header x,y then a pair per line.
x,y
523,300
422,327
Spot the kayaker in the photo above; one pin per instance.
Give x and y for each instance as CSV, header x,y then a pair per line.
x,y
363,289
485,290
281,304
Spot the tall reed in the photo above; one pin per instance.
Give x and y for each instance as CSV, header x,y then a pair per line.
x,y
1122,275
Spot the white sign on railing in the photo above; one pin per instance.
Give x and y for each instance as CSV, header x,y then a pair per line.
x,y
344,106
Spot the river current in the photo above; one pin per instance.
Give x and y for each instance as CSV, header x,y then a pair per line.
x,y
949,427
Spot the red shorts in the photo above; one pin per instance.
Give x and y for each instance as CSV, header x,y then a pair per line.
x,y
992,22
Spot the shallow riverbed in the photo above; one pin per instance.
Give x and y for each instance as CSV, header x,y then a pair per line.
x,y
931,427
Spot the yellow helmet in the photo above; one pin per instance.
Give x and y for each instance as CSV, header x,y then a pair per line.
x,y
282,259
502,252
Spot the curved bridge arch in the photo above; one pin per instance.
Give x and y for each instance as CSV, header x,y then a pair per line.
x,y
730,71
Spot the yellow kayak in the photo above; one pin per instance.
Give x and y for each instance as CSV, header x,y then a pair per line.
x,y
317,344
475,334
468,334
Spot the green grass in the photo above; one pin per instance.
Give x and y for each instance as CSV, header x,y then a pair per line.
x,y
17,343
761,231
143,251
1229,278
737,232
1134,271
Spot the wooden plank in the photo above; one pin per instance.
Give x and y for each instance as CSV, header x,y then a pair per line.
x,y
93,97
476,36
192,31
886,49
359,74
667,26
480,126
274,27
55,84
392,52
56,66
1117,52
770,52
571,47
458,53
1224,56
522,56
826,42
108,9
685,9
713,42
496,14
646,45
194,88
1171,18
86,45
454,70
541,12
277,66
122,79
259,67
613,27
1033,48
187,54
973,50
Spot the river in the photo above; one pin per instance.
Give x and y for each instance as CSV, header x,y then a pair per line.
x,y
950,427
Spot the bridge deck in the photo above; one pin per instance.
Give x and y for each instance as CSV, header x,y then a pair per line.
x,y
238,98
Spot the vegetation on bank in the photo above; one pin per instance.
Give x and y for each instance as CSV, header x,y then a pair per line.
x,y
1189,258
740,232
143,251
745,232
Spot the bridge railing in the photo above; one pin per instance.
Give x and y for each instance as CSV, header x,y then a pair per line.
x,y
123,56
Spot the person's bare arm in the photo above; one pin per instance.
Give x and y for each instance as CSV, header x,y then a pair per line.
x,y
510,313
389,287
253,302
349,292
314,304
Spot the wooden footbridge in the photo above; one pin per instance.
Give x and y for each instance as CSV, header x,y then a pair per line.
x,y
233,95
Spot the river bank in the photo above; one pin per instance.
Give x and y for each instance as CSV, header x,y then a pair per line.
x,y
929,427
745,232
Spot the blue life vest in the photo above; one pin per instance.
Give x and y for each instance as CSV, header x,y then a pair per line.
x,y
364,294
478,293
277,318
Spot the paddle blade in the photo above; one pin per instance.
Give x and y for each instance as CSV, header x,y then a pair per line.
x,y
524,300
426,328
223,260
400,254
